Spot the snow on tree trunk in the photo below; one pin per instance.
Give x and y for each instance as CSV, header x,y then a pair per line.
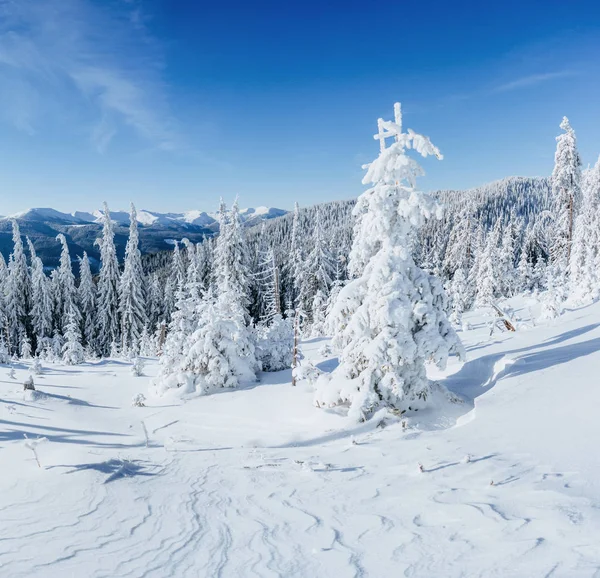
x,y
391,319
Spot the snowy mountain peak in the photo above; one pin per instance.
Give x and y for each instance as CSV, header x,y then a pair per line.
x,y
145,217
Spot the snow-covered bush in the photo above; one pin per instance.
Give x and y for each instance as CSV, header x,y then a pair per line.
x,y
139,400
391,319
29,384
137,368
325,350
275,344
307,371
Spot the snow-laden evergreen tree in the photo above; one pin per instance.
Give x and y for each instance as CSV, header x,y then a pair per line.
x,y
329,308
459,247
67,293
295,269
319,315
458,295
392,316
276,342
178,267
17,290
593,247
72,350
478,249
318,269
3,313
132,298
506,261
583,266
26,348
269,282
566,188
41,301
193,281
231,260
204,258
174,284
488,274
86,298
182,325
108,288
525,276
275,334
155,301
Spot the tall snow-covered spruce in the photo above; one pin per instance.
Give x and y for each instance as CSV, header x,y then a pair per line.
x,y
566,188
132,298
108,288
391,318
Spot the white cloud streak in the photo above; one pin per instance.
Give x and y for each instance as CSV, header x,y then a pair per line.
x,y
83,58
532,80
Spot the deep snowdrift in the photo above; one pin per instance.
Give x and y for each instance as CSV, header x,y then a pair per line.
x,y
259,482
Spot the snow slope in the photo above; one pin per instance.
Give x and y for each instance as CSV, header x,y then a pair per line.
x,y
258,482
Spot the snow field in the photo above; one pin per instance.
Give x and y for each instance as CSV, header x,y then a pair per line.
x,y
259,482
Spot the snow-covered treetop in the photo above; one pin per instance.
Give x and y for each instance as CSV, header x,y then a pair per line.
x,y
390,211
393,166
566,175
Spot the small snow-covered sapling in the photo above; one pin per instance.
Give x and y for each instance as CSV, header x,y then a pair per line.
x,y
32,445
11,373
466,459
28,384
138,367
421,468
139,400
36,366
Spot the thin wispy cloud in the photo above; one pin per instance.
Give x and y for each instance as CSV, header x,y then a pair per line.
x,y
532,80
87,62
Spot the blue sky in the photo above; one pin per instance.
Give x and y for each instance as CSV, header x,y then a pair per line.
x,y
173,103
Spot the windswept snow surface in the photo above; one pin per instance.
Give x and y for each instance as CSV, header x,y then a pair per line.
x,y
258,482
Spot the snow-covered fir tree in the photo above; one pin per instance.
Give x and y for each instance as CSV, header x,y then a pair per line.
x,y
108,288
392,315
67,293
72,350
319,315
132,298
566,188
295,269
583,282
488,273
17,290
86,298
318,270
41,313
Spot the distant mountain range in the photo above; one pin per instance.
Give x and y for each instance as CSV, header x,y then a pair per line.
x,y
157,230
